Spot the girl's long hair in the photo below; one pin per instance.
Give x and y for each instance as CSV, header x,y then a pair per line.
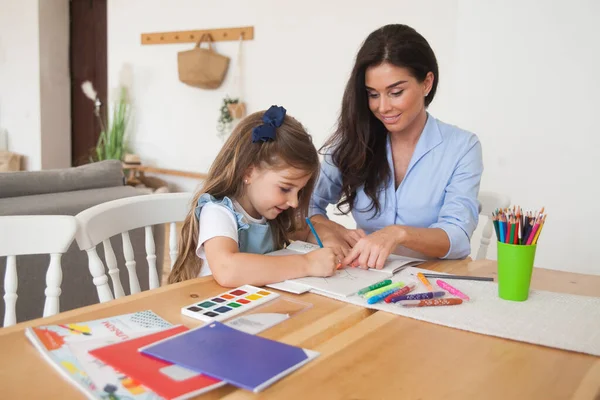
x,y
358,145
292,147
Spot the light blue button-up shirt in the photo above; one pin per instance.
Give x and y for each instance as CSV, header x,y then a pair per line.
x,y
439,189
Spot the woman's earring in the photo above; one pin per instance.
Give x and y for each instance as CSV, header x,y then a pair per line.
x,y
246,181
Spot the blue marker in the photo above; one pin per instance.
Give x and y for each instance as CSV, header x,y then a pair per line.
x,y
314,232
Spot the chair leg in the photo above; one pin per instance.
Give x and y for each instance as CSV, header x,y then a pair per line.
x,y
53,282
100,279
113,269
134,283
10,291
173,243
485,240
151,257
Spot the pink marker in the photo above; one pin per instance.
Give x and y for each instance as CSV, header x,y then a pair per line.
x,y
452,290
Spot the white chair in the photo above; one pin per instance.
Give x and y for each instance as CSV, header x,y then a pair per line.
x,y
34,234
99,223
489,202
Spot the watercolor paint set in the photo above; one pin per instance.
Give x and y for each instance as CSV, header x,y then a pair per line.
x,y
228,304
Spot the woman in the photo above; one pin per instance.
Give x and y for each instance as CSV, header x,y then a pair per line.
x,y
410,181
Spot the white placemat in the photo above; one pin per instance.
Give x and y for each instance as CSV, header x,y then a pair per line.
x,y
563,321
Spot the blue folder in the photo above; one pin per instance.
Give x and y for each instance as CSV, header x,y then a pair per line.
x,y
243,360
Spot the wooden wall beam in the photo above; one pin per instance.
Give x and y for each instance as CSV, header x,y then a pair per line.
x,y
218,35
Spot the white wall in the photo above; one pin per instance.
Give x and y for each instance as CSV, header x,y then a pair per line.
x,y
522,75
34,81
290,62
20,79
526,80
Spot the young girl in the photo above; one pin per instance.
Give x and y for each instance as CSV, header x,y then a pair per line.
x,y
254,201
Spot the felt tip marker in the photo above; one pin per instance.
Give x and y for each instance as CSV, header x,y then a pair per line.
x,y
452,289
400,292
425,281
374,286
388,293
433,302
418,296
383,289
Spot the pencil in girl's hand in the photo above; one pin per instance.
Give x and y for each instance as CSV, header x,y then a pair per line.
x,y
314,232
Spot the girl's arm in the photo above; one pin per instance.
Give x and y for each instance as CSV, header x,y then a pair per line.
x,y
230,268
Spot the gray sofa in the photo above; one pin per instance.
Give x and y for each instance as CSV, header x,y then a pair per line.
x,y
68,192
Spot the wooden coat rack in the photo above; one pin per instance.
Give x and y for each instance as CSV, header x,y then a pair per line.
x,y
217,35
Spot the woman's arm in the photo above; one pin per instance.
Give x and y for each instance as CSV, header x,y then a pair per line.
x,y
373,250
328,191
459,214
230,268
334,235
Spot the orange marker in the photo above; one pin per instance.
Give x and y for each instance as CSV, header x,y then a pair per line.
x,y
433,302
425,281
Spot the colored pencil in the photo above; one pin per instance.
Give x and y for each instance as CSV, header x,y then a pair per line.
x,y
537,234
460,277
514,226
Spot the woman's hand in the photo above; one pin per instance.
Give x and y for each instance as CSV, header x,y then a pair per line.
x,y
373,250
336,236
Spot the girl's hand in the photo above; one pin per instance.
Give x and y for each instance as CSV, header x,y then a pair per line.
x,y
373,250
322,262
337,237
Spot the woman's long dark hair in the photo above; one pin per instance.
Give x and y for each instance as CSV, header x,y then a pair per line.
x,y
358,145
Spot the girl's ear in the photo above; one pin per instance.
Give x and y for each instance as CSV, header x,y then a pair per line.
x,y
249,174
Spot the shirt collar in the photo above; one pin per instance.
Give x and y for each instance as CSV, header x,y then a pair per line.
x,y
430,138
249,219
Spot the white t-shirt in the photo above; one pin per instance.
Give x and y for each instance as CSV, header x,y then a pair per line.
x,y
217,220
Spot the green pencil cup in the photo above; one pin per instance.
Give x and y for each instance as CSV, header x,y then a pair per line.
x,y
515,265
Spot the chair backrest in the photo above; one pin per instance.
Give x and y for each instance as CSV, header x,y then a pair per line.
x,y
489,202
34,234
99,223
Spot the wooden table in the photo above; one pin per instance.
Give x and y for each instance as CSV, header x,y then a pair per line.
x,y
364,354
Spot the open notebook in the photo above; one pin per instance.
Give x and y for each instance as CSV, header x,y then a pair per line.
x,y
346,281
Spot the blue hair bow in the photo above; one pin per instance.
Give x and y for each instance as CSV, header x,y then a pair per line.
x,y
273,118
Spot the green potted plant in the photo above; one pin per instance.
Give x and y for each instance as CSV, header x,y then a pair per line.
x,y
231,109
112,142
